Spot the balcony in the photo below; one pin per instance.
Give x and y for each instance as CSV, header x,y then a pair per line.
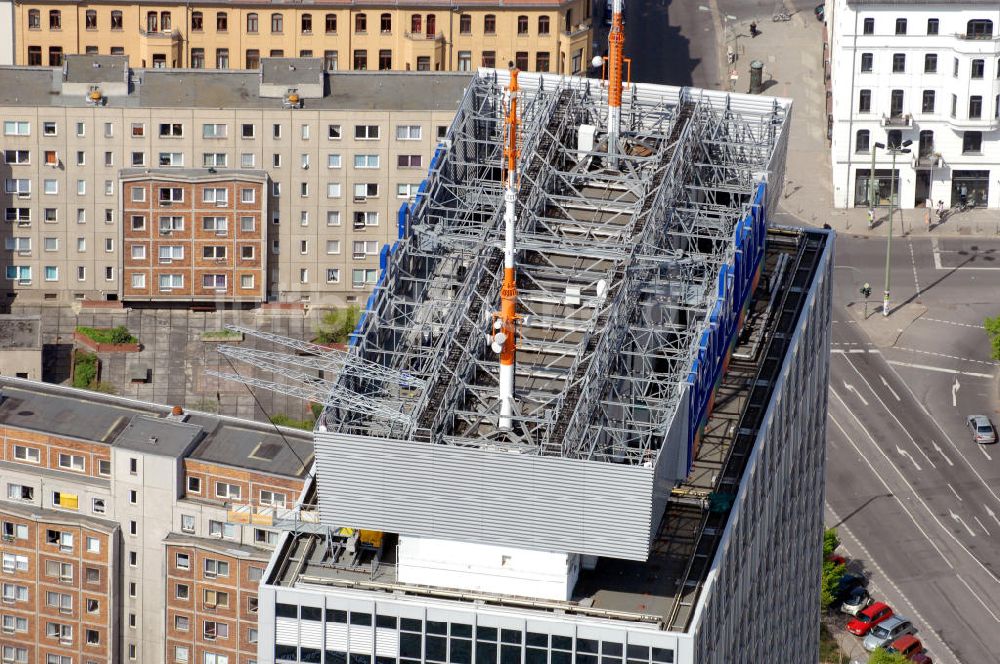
x,y
902,120
166,35
424,36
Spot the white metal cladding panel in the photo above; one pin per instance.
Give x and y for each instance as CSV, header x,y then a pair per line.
x,y
545,503
336,636
361,639
311,634
286,631
386,642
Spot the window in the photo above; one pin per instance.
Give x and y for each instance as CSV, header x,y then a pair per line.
x,y
932,26
182,561
246,281
55,19
423,63
109,273
543,25
213,630
214,224
900,26
979,28
15,530
865,101
248,160
215,599
360,23
109,244
522,25
19,244
17,156
366,132
13,624
930,63
978,68
13,592
333,218
896,104
490,24
304,189
197,21
215,160
364,248
954,69
34,19
464,24
213,281
182,623
19,186
384,59
216,195
330,24
15,655
170,224
170,281
72,461
385,23
16,128
222,58
927,105
972,142
19,215
409,161
213,130
29,454
330,59
14,563
365,190
97,506
975,107
221,21
406,190
363,277
21,273
277,23
332,275
542,61
408,132
489,58
247,224
898,63
216,568
465,61
139,281
227,491
954,105
50,187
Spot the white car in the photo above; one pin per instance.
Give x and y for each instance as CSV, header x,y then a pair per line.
x,y
856,601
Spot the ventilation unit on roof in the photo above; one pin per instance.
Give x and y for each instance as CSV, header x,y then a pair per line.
x,y
292,99
94,97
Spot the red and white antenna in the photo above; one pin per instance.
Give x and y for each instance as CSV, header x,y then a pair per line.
x,y
505,322
616,55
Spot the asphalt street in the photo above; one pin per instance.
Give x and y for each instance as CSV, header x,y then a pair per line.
x,y
916,501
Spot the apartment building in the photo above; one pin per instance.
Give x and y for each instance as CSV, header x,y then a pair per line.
x,y
325,160
134,532
923,74
437,35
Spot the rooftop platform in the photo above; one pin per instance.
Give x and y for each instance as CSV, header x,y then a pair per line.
x,y
116,421
664,588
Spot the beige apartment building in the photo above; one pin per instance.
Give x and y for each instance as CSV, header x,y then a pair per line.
x,y
130,532
434,35
330,158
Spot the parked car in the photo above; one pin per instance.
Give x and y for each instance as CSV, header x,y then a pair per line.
x,y
847,584
837,559
922,658
857,600
820,12
907,645
887,632
982,429
868,618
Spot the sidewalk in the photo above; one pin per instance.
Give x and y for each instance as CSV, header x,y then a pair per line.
x,y
792,53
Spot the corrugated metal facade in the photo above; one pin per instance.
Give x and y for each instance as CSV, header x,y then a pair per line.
x,y
476,495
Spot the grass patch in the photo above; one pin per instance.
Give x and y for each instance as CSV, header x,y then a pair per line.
x,y
221,335
104,335
286,421
84,370
336,326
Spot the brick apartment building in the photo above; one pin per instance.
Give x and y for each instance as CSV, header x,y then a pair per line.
x,y
130,533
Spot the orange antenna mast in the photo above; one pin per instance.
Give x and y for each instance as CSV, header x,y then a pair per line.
x,y
505,322
616,45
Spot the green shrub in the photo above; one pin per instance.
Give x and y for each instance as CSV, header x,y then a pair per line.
x,y
992,326
830,542
84,369
286,421
832,573
336,326
102,335
880,656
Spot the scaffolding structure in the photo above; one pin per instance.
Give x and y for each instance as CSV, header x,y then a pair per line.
x,y
617,269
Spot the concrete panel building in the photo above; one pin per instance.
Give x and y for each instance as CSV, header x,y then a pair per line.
x,y
132,532
662,469
329,170
923,72
21,347
438,35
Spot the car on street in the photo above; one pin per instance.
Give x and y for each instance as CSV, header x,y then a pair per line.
x,y
855,601
868,618
907,645
922,658
982,429
887,632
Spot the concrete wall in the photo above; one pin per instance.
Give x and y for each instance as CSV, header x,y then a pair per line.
x,y
27,362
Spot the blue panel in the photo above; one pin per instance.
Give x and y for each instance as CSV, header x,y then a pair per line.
x,y
401,219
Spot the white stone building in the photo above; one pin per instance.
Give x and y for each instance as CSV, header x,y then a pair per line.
x,y
920,71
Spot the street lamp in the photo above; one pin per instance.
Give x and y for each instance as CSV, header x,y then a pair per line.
x,y
894,150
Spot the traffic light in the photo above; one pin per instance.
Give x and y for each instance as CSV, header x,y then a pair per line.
x,y
866,290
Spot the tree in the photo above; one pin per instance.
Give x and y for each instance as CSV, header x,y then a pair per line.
x,y
830,542
336,326
992,326
880,656
832,573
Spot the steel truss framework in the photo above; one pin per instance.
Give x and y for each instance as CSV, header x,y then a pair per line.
x,y
616,270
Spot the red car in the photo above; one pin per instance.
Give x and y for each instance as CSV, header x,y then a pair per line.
x,y
868,618
907,645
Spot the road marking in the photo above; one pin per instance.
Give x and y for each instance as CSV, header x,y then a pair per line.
x,y
976,595
985,453
955,517
909,456
937,259
993,515
954,492
925,367
913,262
886,383
950,322
886,484
954,392
941,452
981,525
893,416
874,564
950,357
850,388
916,495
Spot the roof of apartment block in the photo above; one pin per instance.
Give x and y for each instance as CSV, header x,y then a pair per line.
x,y
230,88
148,428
